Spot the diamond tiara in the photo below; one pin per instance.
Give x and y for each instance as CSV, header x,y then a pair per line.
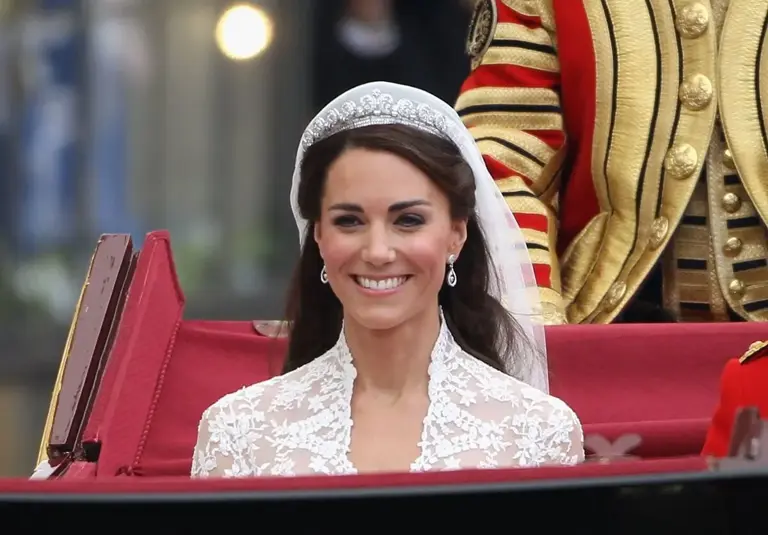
x,y
376,108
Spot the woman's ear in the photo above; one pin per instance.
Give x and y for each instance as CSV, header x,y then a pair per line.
x,y
459,236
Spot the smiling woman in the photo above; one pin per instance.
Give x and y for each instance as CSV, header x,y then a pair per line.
x,y
392,202
412,343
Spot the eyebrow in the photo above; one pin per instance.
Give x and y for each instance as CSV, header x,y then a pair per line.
x,y
396,207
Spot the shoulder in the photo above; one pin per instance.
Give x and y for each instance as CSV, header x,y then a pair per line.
x,y
755,352
249,401
267,396
751,366
497,387
543,428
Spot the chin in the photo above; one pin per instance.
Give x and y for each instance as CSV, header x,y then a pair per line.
x,y
379,318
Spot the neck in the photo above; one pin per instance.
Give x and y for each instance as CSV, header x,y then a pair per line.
x,y
396,361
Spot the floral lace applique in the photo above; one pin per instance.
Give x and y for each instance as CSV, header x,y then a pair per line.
x,y
300,423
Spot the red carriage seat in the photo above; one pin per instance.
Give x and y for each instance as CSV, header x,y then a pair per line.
x,y
136,376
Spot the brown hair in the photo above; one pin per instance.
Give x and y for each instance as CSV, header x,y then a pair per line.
x,y
478,322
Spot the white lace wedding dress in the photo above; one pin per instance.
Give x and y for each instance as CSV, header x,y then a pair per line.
x,y
300,423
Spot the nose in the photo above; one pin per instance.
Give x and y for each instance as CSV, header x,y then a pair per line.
x,y
378,249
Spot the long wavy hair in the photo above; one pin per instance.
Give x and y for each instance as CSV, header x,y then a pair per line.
x,y
479,323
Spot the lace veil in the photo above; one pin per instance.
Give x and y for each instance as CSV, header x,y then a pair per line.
x,y
514,285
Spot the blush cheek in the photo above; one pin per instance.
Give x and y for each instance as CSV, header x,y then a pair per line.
x,y
337,253
429,263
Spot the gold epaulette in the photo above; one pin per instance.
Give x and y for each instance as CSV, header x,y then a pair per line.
x,y
756,349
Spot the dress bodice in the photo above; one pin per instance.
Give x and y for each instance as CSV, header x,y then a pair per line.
x,y
300,423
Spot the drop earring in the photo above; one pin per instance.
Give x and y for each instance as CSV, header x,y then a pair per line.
x,y
324,275
451,278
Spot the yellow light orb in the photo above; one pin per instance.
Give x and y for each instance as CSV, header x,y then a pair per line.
x,y
243,32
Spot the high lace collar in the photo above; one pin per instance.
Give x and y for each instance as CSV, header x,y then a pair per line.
x,y
444,350
439,349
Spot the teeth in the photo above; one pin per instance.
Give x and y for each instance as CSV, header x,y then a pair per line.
x,y
383,284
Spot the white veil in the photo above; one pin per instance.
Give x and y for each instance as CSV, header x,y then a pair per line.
x,y
515,285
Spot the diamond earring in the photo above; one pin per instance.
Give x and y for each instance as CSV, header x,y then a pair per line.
x,y
451,278
324,275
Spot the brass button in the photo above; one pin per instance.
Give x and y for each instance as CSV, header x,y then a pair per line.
x,y
731,203
696,92
692,20
681,161
736,287
728,159
615,295
659,230
732,246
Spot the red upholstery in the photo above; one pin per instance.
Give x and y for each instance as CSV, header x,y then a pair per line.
x,y
658,380
467,477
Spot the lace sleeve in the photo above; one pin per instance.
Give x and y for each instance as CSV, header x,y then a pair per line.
x,y
212,456
546,432
231,439
561,432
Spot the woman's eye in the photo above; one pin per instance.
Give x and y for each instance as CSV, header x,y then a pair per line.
x,y
410,220
346,221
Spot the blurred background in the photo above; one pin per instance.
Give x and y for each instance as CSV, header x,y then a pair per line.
x,y
124,116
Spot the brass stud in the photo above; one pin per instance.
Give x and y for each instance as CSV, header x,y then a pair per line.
x,y
732,246
728,160
736,288
731,202
692,20
696,92
681,161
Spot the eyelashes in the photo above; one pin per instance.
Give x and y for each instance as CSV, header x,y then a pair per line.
x,y
404,220
410,220
346,221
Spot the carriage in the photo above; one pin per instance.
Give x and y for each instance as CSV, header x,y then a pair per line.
x,y
136,375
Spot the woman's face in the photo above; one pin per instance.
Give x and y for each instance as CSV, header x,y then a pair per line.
x,y
385,234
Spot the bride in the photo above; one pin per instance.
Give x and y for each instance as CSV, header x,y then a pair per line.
x,y
414,339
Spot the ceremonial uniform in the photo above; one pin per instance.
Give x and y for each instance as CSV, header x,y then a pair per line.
x,y
744,384
629,139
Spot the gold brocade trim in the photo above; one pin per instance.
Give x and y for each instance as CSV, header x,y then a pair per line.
x,y
529,204
534,8
513,184
500,96
43,452
692,290
526,204
518,32
539,256
752,242
547,187
740,103
527,142
485,113
579,258
536,237
532,205
508,157
522,57
520,120
633,136
552,307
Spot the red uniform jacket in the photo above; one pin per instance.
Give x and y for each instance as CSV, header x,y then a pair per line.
x,y
744,384
597,118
